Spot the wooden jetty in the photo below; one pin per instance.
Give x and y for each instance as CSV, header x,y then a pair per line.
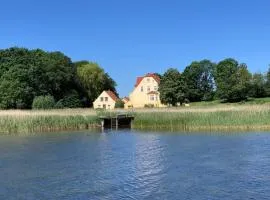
x,y
117,121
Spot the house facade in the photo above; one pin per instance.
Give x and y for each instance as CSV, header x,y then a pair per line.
x,y
145,92
106,100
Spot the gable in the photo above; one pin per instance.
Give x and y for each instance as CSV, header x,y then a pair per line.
x,y
108,94
149,75
112,95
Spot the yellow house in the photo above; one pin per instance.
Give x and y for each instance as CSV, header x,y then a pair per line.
x,y
105,100
145,92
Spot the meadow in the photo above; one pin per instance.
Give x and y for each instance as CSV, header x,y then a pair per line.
x,y
219,117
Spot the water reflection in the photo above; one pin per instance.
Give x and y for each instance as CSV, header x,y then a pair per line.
x,y
135,165
149,165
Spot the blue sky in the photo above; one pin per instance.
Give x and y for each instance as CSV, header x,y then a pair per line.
x,y
129,38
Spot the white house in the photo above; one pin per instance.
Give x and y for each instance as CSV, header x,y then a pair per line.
x,y
105,100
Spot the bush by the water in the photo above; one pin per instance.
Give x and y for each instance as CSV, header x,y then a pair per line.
x,y
43,102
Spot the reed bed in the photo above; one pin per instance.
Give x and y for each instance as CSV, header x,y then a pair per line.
x,y
222,118
199,109
41,122
53,112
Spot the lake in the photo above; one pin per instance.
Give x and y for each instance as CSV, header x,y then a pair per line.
x,y
135,165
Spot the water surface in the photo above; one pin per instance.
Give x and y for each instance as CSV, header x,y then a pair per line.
x,y
135,165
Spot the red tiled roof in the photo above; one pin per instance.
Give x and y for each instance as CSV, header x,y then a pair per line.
x,y
112,95
139,79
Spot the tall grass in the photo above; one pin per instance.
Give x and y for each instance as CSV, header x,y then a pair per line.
x,y
249,101
22,122
232,118
210,118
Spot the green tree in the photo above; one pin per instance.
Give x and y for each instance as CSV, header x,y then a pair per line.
x,y
14,88
258,85
232,80
93,79
200,80
25,74
267,84
172,87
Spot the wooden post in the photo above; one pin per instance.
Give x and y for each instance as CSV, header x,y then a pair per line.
x,y
102,125
116,123
111,123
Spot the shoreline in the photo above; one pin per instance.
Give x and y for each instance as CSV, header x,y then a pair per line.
x,y
220,118
207,129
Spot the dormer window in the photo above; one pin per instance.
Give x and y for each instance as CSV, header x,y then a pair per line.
x,y
106,98
101,98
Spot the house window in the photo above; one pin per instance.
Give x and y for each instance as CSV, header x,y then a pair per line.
x,y
152,98
148,88
104,106
142,89
106,98
101,98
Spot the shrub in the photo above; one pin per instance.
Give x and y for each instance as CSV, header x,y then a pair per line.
x,y
72,100
20,104
119,103
149,105
59,104
43,102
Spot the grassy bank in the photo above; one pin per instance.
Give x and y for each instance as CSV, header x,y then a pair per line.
x,y
194,118
221,118
25,122
250,101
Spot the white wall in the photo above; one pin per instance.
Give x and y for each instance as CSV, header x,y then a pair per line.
x,y
107,101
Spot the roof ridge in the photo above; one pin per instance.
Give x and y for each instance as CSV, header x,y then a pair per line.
x,y
112,94
153,75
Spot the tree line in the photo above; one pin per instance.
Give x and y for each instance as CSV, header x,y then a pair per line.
x,y
228,80
40,79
